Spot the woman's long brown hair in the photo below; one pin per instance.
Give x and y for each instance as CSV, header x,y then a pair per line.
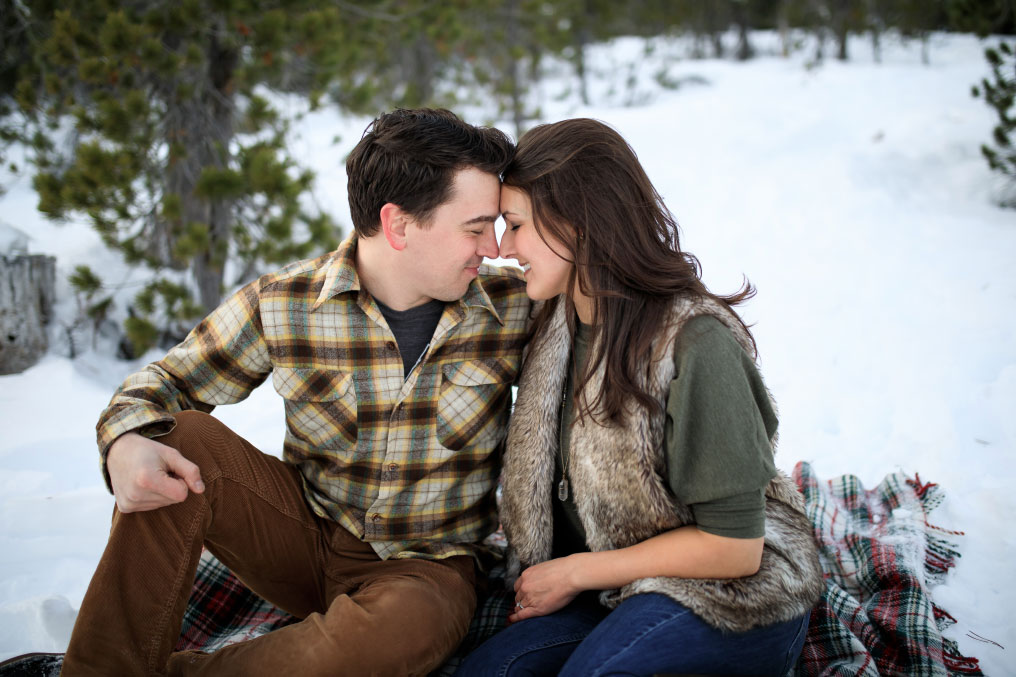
x,y
590,193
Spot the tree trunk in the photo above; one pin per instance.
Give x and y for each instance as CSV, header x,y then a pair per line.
x,y
209,266
513,33
27,294
744,49
714,29
841,26
717,40
582,40
203,126
877,23
417,65
784,28
822,19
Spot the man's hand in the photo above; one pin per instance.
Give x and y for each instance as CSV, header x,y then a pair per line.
x,y
146,474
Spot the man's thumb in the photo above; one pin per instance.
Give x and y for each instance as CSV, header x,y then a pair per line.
x,y
185,470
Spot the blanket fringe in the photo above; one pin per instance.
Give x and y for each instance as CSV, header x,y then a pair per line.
x,y
941,553
958,663
942,614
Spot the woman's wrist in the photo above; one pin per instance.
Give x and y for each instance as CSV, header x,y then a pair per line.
x,y
582,574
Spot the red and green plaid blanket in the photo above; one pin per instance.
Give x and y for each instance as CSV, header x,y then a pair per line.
x,y
880,555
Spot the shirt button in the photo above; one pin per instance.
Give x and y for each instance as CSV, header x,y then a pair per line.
x,y
393,466
376,517
390,345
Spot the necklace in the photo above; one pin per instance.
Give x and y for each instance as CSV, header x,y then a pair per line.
x,y
562,486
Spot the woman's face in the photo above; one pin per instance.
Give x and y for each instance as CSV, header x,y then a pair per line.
x,y
545,269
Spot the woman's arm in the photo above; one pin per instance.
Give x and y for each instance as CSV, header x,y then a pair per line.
x,y
686,552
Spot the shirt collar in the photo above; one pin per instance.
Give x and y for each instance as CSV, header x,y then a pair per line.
x,y
341,276
477,296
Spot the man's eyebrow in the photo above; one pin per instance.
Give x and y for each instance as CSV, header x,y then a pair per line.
x,y
481,219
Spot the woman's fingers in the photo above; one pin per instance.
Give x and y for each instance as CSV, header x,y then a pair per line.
x,y
524,613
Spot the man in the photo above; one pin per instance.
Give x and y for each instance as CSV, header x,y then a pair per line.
x,y
395,356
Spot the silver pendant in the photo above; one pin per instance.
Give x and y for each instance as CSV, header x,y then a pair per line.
x,y
562,489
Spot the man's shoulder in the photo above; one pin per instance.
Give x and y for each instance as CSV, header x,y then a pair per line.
x,y
502,281
506,289
298,273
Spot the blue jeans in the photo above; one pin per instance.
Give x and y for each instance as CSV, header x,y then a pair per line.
x,y
644,635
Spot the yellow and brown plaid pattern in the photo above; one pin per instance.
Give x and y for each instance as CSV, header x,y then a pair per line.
x,y
408,464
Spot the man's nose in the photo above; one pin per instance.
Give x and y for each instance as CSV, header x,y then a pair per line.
x,y
487,245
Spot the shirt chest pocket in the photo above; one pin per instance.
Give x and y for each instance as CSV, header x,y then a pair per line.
x,y
320,406
473,400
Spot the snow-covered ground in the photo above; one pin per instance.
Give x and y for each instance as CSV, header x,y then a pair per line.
x,y
852,195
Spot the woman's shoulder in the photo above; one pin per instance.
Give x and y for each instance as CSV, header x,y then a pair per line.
x,y
704,336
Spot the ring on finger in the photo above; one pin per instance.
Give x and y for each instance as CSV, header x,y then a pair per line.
x,y
520,606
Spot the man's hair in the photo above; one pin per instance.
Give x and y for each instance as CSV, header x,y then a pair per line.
x,y
410,157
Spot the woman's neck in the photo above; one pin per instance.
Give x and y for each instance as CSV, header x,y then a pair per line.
x,y
583,307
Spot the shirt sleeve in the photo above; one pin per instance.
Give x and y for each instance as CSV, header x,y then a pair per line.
x,y
220,362
719,424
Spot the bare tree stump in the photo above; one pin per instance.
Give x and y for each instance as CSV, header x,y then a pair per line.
x,y
27,294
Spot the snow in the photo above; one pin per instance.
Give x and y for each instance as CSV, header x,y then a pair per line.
x,y
852,195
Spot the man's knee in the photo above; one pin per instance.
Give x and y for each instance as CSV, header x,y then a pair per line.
x,y
191,420
196,435
220,452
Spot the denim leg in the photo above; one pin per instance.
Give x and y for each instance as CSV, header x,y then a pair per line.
x,y
651,633
536,646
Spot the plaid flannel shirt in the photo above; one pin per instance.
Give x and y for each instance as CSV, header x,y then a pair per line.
x,y
407,464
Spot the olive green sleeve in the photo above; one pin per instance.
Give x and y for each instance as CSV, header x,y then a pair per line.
x,y
718,426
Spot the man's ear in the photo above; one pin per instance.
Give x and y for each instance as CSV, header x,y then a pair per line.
x,y
393,223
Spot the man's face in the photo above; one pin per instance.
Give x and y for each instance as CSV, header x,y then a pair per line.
x,y
445,253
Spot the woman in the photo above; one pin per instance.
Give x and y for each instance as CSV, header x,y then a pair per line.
x,y
649,529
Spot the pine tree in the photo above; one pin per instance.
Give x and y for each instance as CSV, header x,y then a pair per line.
x,y
174,154
15,36
918,18
502,51
999,92
984,17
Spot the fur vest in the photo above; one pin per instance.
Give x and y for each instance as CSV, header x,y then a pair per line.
x,y
616,478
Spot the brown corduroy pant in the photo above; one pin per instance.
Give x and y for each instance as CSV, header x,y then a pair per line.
x,y
361,615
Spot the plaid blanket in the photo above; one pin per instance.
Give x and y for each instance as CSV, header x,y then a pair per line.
x,y
880,555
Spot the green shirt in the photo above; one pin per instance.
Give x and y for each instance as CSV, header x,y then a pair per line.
x,y
716,436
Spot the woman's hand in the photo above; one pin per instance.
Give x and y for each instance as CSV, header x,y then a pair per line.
x,y
685,552
546,587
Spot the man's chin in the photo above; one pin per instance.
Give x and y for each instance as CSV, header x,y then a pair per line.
x,y
448,296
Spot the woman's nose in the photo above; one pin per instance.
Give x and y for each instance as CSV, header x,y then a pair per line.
x,y
506,250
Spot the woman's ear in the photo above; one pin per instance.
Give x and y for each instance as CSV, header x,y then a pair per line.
x,y
393,223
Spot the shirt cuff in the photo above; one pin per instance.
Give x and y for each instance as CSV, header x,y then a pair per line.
x,y
141,420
